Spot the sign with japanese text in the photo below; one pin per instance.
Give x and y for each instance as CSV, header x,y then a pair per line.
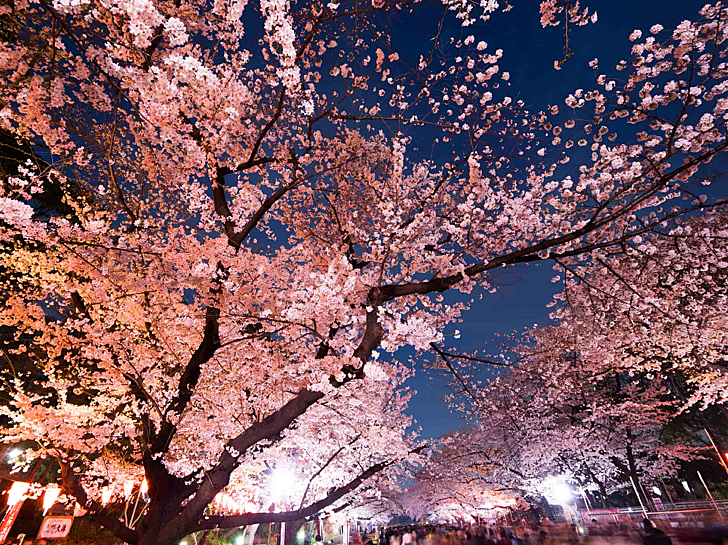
x,y
55,527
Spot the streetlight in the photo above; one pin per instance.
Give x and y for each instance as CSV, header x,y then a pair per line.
x,y
280,483
561,493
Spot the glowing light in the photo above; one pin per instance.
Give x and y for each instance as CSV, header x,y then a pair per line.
x,y
657,491
106,493
561,493
280,483
301,535
239,540
50,496
14,453
128,487
145,486
17,492
686,486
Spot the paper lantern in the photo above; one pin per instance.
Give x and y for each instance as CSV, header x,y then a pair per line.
x,y
17,492
50,496
106,493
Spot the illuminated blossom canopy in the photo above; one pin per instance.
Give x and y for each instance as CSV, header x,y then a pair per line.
x,y
249,244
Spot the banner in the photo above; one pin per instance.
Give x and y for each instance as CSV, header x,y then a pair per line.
x,y
10,515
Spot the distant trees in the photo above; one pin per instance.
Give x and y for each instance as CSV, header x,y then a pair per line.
x,y
607,395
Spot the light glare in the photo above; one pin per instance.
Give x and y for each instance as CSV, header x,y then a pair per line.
x,y
561,493
280,483
106,493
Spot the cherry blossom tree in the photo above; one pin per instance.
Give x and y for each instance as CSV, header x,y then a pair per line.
x,y
638,341
259,232
553,414
658,307
457,483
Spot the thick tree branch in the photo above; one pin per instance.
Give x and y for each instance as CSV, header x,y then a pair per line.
x,y
528,254
218,477
187,382
237,238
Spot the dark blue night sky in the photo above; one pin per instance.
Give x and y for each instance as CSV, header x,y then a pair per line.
x,y
529,54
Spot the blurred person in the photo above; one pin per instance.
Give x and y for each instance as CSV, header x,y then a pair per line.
x,y
503,540
653,535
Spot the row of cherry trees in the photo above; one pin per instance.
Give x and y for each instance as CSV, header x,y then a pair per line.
x,y
638,340
249,234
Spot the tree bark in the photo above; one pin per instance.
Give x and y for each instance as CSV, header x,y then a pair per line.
x,y
292,529
633,474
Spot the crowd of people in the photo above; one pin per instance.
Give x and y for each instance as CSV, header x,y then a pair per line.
x,y
595,533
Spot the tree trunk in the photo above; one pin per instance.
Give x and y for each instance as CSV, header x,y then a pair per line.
x,y
600,484
292,529
250,532
634,475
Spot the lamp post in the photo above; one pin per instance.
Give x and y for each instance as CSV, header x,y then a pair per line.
x,y
711,497
562,495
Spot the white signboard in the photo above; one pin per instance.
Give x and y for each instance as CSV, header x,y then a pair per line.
x,y
55,527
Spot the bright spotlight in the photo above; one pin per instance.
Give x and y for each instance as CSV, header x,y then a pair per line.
x,y
686,486
301,535
14,453
657,491
239,540
280,483
561,493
